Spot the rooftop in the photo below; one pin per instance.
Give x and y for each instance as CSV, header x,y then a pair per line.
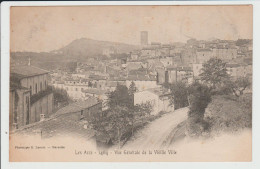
x,y
27,71
77,106
58,126
142,77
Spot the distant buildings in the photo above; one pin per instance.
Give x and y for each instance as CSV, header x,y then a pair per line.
x,y
30,97
109,51
142,82
154,65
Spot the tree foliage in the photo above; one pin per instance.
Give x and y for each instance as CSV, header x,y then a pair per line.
x,y
238,86
199,96
122,114
119,97
214,72
179,92
60,97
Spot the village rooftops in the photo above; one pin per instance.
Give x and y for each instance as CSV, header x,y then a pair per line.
x,y
141,78
27,71
57,126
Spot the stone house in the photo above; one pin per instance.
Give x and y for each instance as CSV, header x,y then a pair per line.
x,y
30,96
157,97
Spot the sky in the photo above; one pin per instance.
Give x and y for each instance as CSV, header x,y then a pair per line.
x,y
43,29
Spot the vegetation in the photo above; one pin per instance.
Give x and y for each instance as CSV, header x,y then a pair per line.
x,y
60,97
179,92
123,116
214,73
199,98
238,86
230,113
229,107
119,97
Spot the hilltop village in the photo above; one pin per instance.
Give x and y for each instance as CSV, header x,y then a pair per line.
x,y
87,84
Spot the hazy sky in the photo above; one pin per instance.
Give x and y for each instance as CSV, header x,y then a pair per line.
x,y
49,28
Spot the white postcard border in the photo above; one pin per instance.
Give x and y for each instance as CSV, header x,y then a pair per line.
x,y
5,48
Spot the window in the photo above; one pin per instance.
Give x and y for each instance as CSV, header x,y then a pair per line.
x,y
45,84
76,89
30,90
41,86
36,88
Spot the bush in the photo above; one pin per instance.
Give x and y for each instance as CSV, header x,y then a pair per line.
x,y
197,126
199,98
225,113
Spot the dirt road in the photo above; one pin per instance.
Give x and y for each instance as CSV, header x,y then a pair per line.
x,y
155,133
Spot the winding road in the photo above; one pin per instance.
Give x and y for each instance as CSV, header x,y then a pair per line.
x,y
155,133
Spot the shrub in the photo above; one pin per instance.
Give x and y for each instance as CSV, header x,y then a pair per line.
x,y
225,113
199,98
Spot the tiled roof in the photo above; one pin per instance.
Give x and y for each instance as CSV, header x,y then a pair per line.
x,y
58,126
142,77
77,106
27,71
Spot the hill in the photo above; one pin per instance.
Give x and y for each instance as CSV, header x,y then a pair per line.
x,y
77,50
89,47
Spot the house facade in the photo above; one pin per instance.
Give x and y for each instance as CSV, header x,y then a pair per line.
x,y
30,96
157,97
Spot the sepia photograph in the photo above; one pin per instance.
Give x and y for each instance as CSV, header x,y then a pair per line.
x,y
136,83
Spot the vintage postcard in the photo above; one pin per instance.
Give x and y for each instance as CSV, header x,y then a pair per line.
x,y
131,83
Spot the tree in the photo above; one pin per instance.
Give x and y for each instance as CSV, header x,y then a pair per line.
x,y
238,86
199,96
119,97
60,97
119,121
179,92
214,72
